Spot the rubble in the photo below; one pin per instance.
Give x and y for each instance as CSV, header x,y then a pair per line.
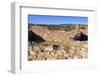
x,y
57,44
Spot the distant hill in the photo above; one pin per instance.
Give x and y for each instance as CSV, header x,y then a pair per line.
x,y
65,27
56,24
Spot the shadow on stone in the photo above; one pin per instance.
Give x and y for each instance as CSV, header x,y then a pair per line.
x,y
32,37
80,37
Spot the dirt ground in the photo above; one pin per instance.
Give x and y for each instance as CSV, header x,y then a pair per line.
x,y
59,44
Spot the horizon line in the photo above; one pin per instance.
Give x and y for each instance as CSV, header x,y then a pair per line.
x,y
59,24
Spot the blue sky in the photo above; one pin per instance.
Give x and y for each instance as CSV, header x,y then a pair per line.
x,y
45,19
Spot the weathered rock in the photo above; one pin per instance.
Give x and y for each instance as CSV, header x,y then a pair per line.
x,y
34,57
76,57
83,49
29,48
59,52
41,56
72,51
30,57
36,48
77,42
49,48
52,53
50,57
83,54
32,53
66,55
85,46
55,55
64,49
64,52
60,57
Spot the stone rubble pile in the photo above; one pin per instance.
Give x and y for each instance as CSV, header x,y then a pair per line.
x,y
56,52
